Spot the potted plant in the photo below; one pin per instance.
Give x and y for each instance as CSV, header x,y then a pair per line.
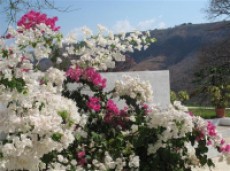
x,y
220,98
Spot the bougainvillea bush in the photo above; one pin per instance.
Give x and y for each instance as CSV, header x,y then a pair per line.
x,y
138,136
65,120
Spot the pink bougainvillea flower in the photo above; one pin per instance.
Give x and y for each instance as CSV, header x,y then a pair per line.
x,y
225,149
209,142
190,113
211,129
7,36
32,18
112,111
200,136
93,76
74,73
94,104
89,74
25,70
146,109
112,107
115,116
81,154
81,158
222,141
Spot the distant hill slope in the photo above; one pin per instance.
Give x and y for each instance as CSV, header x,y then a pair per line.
x,y
177,50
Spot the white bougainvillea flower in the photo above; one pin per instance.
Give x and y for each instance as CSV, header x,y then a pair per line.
x,y
134,88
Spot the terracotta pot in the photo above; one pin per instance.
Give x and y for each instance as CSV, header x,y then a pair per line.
x,y
220,112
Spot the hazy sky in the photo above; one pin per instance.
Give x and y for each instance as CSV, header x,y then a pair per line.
x,y
127,15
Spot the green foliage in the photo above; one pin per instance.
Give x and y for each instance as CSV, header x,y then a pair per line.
x,y
213,74
65,117
179,96
220,95
173,96
14,83
47,158
201,151
57,137
41,106
183,96
164,159
64,114
1,155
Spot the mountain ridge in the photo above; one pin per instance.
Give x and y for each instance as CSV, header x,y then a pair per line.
x,y
177,49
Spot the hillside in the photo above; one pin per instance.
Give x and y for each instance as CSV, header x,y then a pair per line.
x,y
177,50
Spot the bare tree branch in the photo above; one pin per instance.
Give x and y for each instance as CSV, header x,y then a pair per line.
x,y
218,8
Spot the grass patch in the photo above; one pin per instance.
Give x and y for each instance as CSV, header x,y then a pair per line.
x,y
207,113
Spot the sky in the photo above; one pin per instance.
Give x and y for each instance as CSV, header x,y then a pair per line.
x,y
128,15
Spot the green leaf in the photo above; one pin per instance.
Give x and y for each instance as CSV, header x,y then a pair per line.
x,y
41,106
56,136
112,46
14,83
210,163
64,114
96,136
203,160
47,158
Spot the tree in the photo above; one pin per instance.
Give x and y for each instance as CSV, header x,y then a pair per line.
x,y
214,64
213,74
11,8
218,8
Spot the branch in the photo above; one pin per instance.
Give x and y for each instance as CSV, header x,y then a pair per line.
x,y
218,8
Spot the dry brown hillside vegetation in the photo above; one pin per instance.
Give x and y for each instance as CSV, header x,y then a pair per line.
x,y
180,50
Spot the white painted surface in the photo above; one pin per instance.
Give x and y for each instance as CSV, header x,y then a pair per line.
x,y
158,79
225,121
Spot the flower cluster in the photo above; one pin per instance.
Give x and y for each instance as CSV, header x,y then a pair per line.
x,y
135,88
10,61
115,116
34,125
176,125
105,143
89,75
33,18
36,38
205,134
35,119
94,104
101,51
